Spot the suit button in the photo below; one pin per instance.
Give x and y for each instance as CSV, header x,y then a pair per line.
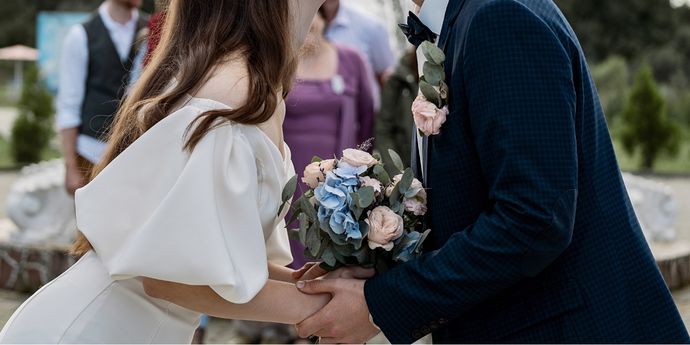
x,y
442,321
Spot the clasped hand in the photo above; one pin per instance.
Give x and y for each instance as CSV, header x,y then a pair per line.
x,y
345,319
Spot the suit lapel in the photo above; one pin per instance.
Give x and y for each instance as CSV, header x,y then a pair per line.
x,y
452,12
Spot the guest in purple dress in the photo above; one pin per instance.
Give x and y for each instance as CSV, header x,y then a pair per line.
x,y
331,107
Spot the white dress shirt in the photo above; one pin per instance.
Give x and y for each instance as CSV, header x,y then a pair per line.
x,y
432,14
74,64
369,36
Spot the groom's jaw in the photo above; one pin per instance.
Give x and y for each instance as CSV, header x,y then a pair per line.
x,y
418,2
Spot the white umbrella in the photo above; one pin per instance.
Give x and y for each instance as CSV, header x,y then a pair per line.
x,y
18,54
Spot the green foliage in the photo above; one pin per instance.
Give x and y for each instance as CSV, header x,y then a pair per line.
x,y
646,124
612,80
33,129
627,28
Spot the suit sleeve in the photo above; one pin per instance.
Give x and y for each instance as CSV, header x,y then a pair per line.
x,y
521,104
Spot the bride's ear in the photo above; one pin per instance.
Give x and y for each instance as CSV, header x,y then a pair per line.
x,y
302,14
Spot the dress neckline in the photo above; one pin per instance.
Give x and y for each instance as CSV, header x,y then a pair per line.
x,y
263,134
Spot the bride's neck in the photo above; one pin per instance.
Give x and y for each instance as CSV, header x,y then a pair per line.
x,y
228,82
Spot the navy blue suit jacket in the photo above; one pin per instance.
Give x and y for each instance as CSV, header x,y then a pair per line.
x,y
534,238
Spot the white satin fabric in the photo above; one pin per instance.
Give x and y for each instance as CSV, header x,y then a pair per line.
x,y
209,217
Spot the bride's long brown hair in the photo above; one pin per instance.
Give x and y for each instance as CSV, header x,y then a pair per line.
x,y
197,36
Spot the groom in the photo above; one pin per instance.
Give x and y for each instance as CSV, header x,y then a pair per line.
x,y
533,239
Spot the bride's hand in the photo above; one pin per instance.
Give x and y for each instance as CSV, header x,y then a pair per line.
x,y
313,270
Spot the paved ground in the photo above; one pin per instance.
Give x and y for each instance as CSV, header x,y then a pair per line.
x,y
222,331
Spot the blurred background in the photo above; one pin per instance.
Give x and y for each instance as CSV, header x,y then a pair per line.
x,y
638,51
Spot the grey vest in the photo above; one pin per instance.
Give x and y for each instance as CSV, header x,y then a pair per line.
x,y
106,79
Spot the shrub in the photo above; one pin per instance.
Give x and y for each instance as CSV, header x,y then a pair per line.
x,y
646,123
33,129
612,80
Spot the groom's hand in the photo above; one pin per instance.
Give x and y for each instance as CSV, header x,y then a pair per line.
x,y
345,319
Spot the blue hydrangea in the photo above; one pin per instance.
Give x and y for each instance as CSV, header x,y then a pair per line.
x,y
349,174
342,222
333,194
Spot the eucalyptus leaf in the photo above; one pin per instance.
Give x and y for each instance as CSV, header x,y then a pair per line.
x,y
366,196
313,243
357,212
430,93
356,242
335,238
364,229
406,182
395,197
316,159
303,227
323,247
307,208
382,174
290,188
397,161
433,53
343,250
433,74
329,258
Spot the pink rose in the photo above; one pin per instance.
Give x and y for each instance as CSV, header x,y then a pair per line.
x,y
315,173
416,186
358,158
385,226
367,181
328,165
415,206
427,116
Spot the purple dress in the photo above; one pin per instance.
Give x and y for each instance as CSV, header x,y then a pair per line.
x,y
324,117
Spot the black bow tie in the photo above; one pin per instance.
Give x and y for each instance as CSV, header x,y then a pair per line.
x,y
416,31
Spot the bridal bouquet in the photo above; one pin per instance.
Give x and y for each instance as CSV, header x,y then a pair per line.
x,y
354,213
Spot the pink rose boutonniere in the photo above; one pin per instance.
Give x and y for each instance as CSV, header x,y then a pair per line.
x,y
430,109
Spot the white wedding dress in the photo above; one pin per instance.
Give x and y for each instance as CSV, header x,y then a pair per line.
x,y
203,218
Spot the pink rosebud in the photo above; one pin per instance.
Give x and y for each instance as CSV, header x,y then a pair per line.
x,y
416,186
358,158
367,181
385,226
415,206
427,116
315,173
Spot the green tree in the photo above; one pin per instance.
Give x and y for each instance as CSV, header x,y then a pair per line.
x,y
33,129
612,79
646,123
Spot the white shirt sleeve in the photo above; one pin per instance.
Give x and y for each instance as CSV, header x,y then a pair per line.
x,y
74,62
382,57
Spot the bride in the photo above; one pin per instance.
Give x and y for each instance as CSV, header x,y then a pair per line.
x,y
181,217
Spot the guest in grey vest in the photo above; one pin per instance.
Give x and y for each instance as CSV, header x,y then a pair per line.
x,y
94,69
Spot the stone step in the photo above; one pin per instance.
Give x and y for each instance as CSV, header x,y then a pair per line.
x,y
673,259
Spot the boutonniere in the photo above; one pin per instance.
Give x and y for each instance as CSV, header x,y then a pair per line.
x,y
430,109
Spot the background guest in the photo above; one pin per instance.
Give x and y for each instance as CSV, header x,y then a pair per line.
x,y
367,34
95,64
331,106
